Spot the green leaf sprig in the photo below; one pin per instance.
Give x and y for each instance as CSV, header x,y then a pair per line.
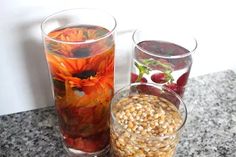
x,y
144,69
154,62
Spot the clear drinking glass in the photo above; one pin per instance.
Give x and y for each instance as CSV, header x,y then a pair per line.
x,y
146,121
162,57
79,47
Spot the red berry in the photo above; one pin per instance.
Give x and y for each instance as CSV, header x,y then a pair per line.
x,y
180,64
173,87
134,78
159,78
177,89
146,89
182,80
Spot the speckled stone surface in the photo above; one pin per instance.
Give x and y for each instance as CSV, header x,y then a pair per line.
x,y
211,127
32,133
209,132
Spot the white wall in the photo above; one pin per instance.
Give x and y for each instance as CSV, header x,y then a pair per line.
x,y
24,82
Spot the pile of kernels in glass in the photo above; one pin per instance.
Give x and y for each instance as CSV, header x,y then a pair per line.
x,y
145,126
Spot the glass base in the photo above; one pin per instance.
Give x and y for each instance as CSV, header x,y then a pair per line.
x,y
77,153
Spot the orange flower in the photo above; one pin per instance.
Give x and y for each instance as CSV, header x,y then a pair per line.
x,y
78,34
84,71
88,81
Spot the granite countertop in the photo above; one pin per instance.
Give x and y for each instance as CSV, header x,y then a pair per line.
x,y
209,132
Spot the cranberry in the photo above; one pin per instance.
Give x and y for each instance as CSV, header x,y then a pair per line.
x,y
182,80
179,64
159,78
172,86
146,89
134,78
177,89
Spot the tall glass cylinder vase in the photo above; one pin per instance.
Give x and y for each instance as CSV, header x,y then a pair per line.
x,y
79,47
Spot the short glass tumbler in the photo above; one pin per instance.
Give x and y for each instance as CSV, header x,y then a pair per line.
x,y
79,47
146,120
162,57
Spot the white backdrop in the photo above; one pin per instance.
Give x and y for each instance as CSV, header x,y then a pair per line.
x,y
24,82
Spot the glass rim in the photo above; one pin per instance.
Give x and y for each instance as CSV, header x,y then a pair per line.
x,y
109,33
162,56
159,87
